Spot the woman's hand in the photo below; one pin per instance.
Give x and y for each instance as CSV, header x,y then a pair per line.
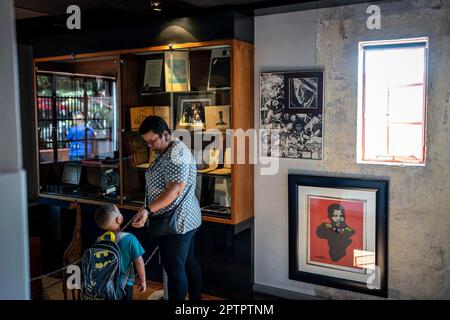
x,y
140,218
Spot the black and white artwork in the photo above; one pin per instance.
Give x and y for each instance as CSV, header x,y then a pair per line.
x,y
305,91
290,132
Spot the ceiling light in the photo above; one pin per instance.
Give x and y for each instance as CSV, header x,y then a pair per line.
x,y
155,5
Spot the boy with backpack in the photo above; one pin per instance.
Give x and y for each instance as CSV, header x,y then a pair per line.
x,y
108,272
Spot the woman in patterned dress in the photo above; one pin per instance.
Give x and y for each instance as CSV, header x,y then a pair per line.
x,y
169,177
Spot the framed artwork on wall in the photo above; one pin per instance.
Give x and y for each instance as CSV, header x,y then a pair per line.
x,y
291,109
338,232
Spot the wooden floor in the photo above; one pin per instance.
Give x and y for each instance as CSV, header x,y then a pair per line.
x,y
53,291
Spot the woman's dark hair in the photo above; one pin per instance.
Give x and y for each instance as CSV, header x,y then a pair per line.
x,y
155,124
333,207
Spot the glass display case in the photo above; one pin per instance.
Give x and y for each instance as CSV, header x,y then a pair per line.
x,y
90,108
190,90
77,131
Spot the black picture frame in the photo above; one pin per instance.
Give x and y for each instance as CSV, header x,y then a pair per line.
x,y
185,100
310,84
297,271
219,77
300,129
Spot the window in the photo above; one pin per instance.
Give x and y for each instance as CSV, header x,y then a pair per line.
x,y
392,101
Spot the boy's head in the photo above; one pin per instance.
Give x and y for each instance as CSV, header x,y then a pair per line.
x,y
108,217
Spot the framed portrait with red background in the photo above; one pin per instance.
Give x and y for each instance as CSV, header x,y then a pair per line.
x,y
338,232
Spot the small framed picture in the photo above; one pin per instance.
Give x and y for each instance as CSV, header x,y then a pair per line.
x,y
305,91
338,232
191,111
177,72
219,69
217,117
153,75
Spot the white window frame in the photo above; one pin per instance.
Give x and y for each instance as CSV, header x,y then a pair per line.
x,y
361,108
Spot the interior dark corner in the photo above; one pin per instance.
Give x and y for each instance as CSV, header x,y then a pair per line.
x,y
295,146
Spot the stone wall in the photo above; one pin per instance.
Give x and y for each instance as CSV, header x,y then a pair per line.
x,y
419,199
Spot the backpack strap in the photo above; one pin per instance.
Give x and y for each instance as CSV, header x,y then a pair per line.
x,y
113,237
107,236
120,236
129,273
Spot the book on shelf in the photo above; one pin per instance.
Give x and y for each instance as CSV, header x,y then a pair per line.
x,y
217,208
207,170
143,166
221,171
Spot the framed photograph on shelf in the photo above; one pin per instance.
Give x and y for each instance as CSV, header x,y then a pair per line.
x,y
153,76
295,132
338,232
177,71
217,117
219,69
191,111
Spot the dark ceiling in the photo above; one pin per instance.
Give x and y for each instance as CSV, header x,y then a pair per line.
x,y
143,7
44,17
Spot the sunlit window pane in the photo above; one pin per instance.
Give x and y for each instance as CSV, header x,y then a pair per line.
x,y
406,66
405,141
376,138
406,104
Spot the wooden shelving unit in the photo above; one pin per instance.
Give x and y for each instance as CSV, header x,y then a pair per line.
x,y
125,67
